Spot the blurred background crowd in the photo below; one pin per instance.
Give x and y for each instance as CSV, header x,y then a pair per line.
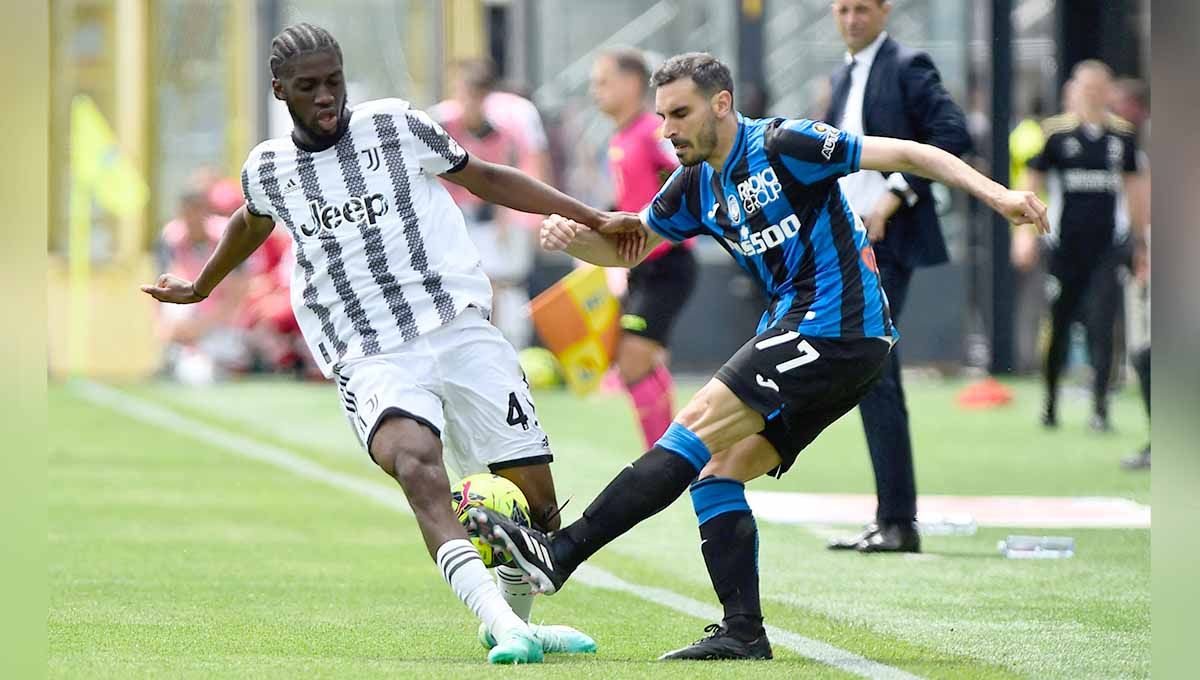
x,y
156,102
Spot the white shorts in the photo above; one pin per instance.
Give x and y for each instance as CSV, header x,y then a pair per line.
x,y
463,382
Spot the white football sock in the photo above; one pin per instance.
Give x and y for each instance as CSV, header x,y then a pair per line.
x,y
518,592
464,571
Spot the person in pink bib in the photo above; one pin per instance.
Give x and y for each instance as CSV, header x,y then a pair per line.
x,y
639,160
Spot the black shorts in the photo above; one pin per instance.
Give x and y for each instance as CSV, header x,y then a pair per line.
x,y
657,292
802,384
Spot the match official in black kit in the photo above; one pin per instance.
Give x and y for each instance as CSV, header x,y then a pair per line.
x,y
888,90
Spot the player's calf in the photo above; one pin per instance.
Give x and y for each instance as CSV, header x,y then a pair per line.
x,y
412,455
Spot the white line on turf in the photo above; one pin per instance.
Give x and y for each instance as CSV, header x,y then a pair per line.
x,y
153,414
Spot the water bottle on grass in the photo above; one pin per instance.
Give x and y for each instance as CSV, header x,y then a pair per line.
x,y
950,524
1037,547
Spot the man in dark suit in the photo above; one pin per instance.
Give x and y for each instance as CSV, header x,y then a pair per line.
x,y
888,90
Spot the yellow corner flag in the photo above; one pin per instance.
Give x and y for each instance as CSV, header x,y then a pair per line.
x,y
98,170
97,164
577,318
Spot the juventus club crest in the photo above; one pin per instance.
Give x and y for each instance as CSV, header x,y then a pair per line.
x,y
1116,153
372,158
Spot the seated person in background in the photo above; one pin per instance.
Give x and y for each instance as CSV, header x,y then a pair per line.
x,y
201,341
504,237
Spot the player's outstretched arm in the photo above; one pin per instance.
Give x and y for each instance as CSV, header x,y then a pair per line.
x,y
243,235
900,155
625,249
514,189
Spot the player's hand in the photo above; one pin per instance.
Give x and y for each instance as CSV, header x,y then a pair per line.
x,y
558,232
1021,208
619,223
630,245
170,288
877,218
876,225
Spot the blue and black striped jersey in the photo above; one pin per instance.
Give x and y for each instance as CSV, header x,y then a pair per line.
x,y
777,209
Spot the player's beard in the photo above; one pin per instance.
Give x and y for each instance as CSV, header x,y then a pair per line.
x,y
317,136
706,143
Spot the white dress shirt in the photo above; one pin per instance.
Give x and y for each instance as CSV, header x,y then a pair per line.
x,y
863,188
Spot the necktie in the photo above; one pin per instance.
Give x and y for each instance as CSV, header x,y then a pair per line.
x,y
842,93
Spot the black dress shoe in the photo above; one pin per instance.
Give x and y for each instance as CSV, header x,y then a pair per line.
x,y
852,542
721,645
898,537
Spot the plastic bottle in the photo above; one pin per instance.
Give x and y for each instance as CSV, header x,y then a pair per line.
x,y
1037,547
951,524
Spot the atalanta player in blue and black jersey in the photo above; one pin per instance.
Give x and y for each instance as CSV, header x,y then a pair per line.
x,y
767,191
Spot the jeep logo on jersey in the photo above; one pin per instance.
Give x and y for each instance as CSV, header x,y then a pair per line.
x,y
353,211
757,191
758,243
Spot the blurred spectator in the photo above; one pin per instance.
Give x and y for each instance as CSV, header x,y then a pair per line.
x,y
224,196
1091,157
202,340
514,113
498,133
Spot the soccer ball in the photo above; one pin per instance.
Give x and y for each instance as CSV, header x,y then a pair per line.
x,y
494,492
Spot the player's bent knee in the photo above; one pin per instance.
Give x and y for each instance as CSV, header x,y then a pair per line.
x,y
748,459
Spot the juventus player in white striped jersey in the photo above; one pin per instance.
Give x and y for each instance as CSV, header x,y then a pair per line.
x,y
393,304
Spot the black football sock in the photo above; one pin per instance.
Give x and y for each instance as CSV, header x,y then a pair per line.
x,y
640,490
729,542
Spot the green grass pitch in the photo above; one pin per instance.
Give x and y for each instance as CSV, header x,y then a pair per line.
x,y
171,556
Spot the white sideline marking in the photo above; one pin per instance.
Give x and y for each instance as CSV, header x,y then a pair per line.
x,y
1040,512
153,414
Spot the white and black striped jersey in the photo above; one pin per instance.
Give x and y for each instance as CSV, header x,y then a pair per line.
x,y
382,251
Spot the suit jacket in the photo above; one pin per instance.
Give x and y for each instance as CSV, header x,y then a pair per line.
x,y
904,98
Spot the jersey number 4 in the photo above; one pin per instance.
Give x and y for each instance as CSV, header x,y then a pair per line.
x,y
516,414
808,353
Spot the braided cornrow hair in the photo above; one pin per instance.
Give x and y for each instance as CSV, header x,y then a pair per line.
x,y
299,39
